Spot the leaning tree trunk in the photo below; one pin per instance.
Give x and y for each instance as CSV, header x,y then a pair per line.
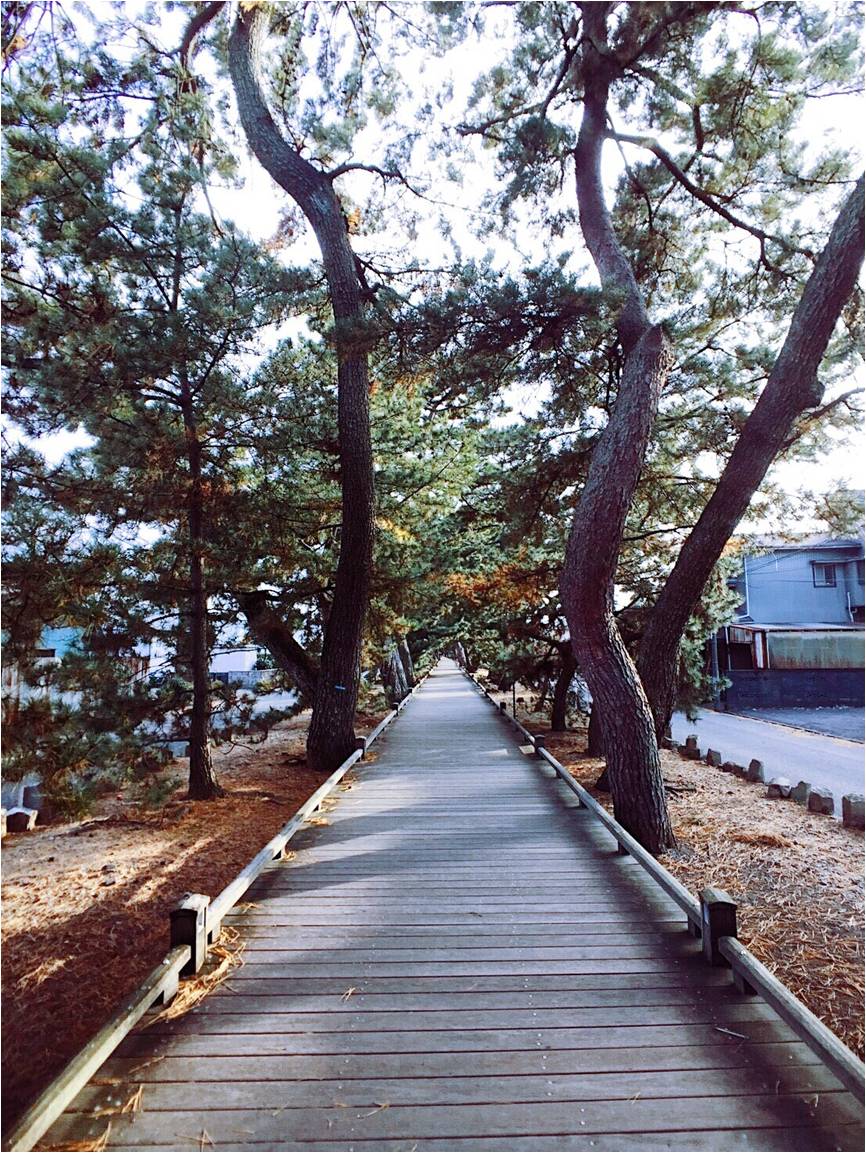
x,y
596,535
270,631
792,389
331,735
559,710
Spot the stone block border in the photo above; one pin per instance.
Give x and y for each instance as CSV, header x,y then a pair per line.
x,y
815,798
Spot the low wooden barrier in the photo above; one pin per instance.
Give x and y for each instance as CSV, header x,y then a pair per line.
x,y
158,988
195,924
713,919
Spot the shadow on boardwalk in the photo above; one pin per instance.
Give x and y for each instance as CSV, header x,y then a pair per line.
x,y
458,960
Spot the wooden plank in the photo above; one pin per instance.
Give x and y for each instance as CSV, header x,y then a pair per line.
x,y
247,998
195,1041
268,980
267,1018
378,1120
607,935
799,1140
765,1060
258,1093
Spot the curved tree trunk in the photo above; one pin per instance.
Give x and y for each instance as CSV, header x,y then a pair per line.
x,y
270,631
331,736
596,534
559,709
791,390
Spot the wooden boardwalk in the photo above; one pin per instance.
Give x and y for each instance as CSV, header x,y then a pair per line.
x,y
460,960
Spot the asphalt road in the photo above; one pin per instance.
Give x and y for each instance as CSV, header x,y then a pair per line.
x,y
786,752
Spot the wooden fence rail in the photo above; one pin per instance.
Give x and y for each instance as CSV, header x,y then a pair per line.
x,y
713,919
158,988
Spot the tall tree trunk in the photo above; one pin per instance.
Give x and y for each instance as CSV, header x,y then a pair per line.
x,y
269,630
596,535
331,737
203,785
792,389
559,710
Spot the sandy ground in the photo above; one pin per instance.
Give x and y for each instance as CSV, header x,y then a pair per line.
x,y
86,906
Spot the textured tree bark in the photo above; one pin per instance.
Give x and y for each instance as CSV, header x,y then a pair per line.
x,y
394,677
408,663
559,708
277,637
331,736
792,389
596,534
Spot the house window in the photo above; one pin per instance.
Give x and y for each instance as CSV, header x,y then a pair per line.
x,y
824,576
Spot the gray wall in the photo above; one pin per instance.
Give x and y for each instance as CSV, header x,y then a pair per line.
x,y
790,688
782,591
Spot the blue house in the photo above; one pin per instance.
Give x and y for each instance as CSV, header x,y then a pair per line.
x,y
797,637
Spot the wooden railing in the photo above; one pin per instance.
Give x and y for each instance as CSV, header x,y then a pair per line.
x,y
195,924
713,919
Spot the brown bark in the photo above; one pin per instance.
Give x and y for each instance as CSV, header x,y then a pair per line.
x,y
791,390
331,737
596,534
559,708
269,630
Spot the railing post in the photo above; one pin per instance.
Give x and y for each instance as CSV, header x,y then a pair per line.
x,y
189,927
361,743
719,919
502,707
539,744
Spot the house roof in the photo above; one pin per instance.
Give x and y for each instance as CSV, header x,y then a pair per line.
x,y
806,541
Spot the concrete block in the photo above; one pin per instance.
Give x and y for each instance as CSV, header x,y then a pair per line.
x,y
690,749
821,801
779,787
729,767
20,820
738,770
800,792
713,758
852,810
755,771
